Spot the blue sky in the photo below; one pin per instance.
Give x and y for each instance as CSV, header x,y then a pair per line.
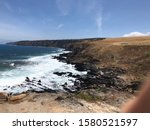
x,y
67,19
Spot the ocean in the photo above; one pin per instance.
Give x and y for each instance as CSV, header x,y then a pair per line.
x,y
37,63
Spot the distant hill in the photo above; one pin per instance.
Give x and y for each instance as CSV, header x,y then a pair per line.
x,y
2,41
64,43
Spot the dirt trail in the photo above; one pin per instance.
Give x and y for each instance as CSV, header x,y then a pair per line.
x,y
64,102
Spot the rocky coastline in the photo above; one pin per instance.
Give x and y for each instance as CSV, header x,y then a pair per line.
x,y
103,86
105,78
96,77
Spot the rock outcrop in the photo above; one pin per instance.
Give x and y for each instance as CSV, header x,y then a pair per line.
x,y
66,44
17,97
3,96
101,75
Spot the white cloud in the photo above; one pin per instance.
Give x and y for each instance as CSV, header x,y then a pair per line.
x,y
136,34
94,10
88,8
99,23
59,26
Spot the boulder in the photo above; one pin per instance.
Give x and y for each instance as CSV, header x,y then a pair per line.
x,y
80,67
59,98
17,97
60,73
3,96
27,79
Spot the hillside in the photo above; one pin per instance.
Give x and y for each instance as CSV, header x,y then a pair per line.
x,y
115,66
129,53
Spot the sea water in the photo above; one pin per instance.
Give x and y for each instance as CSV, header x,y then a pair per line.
x,y
38,63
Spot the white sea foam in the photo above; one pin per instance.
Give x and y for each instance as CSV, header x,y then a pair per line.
x,y
40,67
12,64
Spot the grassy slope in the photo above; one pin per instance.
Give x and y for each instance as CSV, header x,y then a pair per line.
x,y
132,54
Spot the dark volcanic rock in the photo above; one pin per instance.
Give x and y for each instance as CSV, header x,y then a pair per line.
x,y
96,77
60,73
80,67
134,85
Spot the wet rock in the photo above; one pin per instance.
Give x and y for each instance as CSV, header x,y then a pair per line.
x,y
27,79
39,82
70,74
60,73
67,88
34,79
60,58
80,67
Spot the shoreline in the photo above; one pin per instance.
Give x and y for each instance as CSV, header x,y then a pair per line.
x,y
111,78
47,83
88,97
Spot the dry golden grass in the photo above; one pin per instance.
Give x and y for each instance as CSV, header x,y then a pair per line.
x,y
145,40
131,53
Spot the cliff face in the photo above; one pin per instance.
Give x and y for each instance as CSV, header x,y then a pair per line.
x,y
131,54
48,43
66,44
112,65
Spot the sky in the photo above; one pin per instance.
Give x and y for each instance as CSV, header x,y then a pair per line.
x,y
73,19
